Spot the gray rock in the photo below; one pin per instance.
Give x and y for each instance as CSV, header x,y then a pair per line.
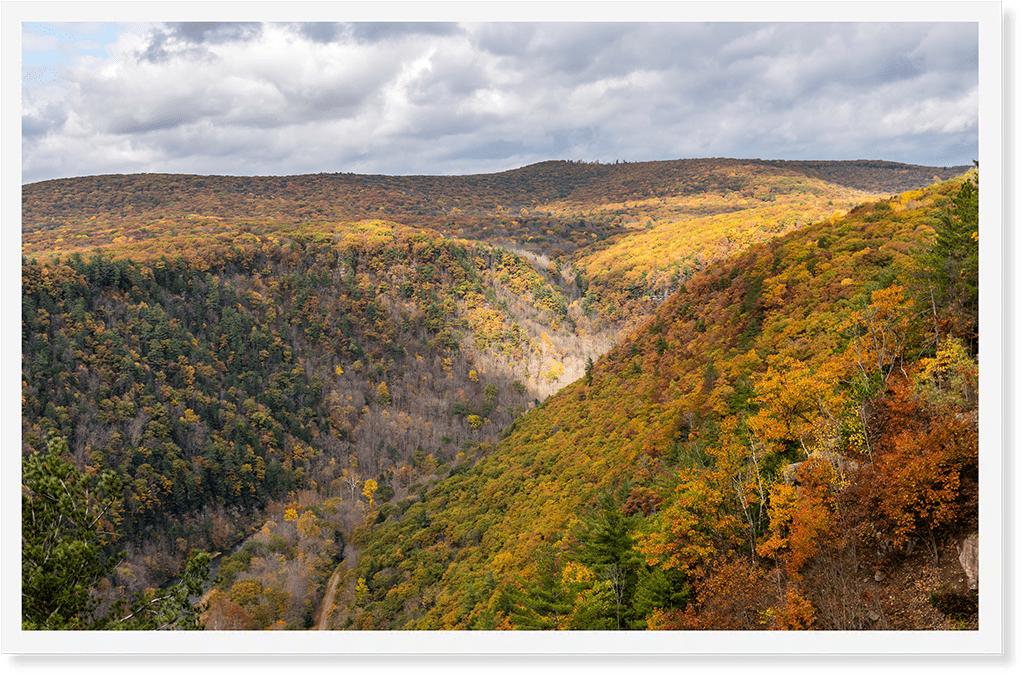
x,y
789,473
969,560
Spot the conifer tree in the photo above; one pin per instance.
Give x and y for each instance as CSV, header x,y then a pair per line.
x,y
62,540
607,549
67,524
950,268
545,600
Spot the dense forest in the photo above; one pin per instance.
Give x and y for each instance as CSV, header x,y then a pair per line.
x,y
797,412
573,396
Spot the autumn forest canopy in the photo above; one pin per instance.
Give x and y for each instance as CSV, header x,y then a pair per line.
x,y
697,394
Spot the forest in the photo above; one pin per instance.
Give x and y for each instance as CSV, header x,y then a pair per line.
x,y
699,394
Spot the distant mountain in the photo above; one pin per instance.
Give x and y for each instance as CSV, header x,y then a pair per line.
x,y
408,197
593,223
875,176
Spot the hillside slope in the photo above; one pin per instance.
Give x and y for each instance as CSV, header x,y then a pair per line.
x,y
216,381
788,417
620,237
250,352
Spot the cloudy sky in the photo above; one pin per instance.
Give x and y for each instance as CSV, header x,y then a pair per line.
x,y
458,98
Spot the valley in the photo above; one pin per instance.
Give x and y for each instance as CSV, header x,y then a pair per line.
x,y
562,396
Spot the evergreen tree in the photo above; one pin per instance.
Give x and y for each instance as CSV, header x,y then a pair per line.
x,y
607,549
67,524
546,599
950,268
62,539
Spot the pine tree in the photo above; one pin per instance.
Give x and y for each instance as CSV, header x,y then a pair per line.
x,y
65,545
546,600
607,549
950,268
62,540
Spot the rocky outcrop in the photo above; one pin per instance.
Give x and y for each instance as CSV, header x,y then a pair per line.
x,y
842,464
969,559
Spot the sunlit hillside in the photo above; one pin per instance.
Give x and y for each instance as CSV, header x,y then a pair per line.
x,y
426,402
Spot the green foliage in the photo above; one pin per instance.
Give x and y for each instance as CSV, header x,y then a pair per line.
x,y
606,548
950,267
657,590
545,601
68,528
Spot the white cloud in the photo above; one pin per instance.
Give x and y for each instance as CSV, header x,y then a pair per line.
x,y
443,98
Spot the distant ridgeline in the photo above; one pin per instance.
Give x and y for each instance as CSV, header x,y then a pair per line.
x,y
346,196
622,234
310,361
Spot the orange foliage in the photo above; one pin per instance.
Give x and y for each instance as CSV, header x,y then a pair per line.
x,y
925,467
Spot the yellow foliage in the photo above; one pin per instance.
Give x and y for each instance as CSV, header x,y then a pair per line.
x,y
782,501
307,524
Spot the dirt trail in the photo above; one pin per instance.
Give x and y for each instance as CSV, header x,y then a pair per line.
x,y
325,606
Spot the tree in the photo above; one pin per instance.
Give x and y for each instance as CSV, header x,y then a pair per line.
x,y
950,268
63,539
68,529
545,602
369,488
607,549
879,334
383,394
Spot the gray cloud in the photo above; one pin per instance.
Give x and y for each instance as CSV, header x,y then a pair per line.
x,y
382,31
322,32
49,118
495,150
185,38
466,98
214,31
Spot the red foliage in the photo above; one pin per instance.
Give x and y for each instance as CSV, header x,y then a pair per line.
x,y
924,468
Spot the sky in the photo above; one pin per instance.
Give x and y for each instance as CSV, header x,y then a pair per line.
x,y
465,98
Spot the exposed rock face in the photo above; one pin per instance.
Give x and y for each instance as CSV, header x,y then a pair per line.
x,y
790,473
969,559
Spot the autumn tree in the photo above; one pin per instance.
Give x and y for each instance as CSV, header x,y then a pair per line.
x,y
383,394
924,476
880,332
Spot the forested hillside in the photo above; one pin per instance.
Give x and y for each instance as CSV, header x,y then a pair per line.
x,y
216,384
795,415
358,370
624,235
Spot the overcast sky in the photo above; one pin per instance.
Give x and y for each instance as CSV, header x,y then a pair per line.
x,y
437,98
